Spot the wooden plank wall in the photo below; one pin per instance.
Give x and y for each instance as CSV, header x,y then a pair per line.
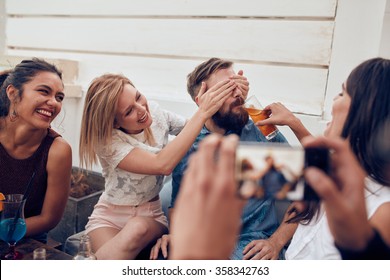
x,y
385,43
283,46
69,72
2,26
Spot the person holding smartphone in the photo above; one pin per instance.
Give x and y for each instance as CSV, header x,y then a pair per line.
x,y
206,236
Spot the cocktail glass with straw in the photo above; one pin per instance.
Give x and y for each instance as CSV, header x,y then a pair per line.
x,y
12,224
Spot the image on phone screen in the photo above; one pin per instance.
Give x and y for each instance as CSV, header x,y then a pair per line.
x,y
272,171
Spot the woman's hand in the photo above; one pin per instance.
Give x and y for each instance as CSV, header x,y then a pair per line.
x,y
241,82
280,115
210,101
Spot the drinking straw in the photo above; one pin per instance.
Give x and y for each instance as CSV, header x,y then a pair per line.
x,y
25,196
28,189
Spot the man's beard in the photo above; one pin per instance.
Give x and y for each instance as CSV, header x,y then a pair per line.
x,y
232,121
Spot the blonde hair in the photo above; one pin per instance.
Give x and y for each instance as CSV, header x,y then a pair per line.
x,y
99,116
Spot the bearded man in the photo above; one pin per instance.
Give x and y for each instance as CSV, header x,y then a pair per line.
x,y
261,236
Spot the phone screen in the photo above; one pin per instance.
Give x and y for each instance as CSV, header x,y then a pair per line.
x,y
274,170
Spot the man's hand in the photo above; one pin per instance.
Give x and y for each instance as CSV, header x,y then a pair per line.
x,y
161,244
262,249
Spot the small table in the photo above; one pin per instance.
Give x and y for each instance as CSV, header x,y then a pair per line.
x,y
27,245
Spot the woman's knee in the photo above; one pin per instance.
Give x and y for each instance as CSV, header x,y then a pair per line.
x,y
139,231
139,226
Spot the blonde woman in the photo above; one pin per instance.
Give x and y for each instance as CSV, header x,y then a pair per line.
x,y
129,137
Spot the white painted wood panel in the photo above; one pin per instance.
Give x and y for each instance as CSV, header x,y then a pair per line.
x,y
357,37
385,41
301,89
286,41
69,70
68,67
3,19
72,91
256,8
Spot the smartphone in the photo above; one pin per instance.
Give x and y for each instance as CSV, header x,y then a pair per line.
x,y
318,157
276,170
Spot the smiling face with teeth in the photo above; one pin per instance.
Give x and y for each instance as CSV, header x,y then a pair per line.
x,y
41,99
132,114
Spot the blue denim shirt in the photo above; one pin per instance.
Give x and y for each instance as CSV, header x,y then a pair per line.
x,y
259,220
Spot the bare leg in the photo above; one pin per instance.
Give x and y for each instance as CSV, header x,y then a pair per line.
x,y
111,244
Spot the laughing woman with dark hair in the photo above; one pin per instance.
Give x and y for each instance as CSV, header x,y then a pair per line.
x,y
31,97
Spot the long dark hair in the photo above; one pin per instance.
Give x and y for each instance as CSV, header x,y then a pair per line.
x,y
368,85
369,88
382,151
24,72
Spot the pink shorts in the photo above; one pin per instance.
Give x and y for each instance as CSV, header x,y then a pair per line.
x,y
116,216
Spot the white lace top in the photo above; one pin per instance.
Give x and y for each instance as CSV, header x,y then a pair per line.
x,y
315,241
127,188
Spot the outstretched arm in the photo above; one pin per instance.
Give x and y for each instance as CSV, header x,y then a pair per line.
x,y
144,162
282,116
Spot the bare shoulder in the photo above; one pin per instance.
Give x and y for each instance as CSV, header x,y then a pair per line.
x,y
59,165
381,221
60,150
382,212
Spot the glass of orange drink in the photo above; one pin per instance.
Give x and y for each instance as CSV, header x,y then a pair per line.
x,y
256,112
